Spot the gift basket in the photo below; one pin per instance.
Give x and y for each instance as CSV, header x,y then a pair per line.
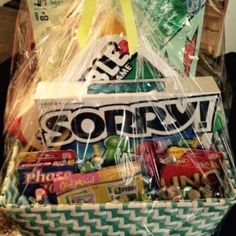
x,y
109,132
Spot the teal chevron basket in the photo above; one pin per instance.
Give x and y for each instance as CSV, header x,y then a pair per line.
x,y
152,218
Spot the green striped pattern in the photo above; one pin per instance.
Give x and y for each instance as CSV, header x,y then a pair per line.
x,y
152,218
9,189
156,218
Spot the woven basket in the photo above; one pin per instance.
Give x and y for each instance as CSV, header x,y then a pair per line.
x,y
146,218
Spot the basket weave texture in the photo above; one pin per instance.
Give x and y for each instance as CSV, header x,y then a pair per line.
x,y
135,218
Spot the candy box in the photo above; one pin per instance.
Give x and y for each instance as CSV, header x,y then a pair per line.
x,y
105,192
34,174
108,174
112,127
51,157
121,183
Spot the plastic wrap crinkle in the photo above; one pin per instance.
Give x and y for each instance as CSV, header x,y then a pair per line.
x,y
112,131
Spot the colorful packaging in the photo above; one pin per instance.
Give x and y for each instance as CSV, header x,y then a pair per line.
x,y
190,167
117,190
49,156
112,127
121,183
36,174
112,81
167,47
174,28
181,154
105,175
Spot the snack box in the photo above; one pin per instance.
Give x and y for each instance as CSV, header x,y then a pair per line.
x,y
118,190
48,156
113,125
105,175
122,183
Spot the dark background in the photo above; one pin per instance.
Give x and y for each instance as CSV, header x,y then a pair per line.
x,y
7,29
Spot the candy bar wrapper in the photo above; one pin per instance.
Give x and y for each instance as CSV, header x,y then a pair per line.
x,y
46,156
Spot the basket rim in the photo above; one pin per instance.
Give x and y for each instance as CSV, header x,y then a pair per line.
x,y
221,202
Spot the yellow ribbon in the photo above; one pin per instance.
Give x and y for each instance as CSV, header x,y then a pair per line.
x,y
89,10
